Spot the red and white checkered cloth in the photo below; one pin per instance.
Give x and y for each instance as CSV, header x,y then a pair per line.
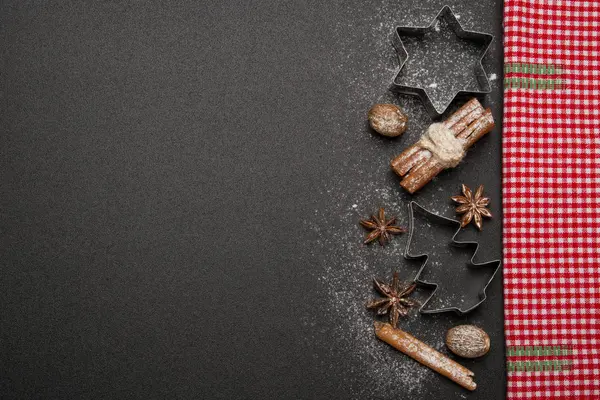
x,y
551,198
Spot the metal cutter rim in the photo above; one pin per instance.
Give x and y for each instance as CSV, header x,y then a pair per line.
x,y
495,264
448,15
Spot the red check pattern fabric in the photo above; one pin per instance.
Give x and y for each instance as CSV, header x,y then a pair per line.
x,y
551,198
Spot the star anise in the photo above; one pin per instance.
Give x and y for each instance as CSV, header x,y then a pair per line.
x,y
395,301
472,206
381,228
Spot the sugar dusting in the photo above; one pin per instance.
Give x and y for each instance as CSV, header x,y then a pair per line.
x,y
371,36
347,278
442,56
365,66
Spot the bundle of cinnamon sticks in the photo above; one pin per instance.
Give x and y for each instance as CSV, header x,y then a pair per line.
x,y
418,166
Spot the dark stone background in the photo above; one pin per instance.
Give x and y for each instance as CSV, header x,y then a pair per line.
x,y
178,183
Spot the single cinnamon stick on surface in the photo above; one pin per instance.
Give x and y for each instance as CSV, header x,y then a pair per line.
x,y
418,166
425,354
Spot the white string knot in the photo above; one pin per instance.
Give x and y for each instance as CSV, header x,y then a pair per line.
x,y
445,147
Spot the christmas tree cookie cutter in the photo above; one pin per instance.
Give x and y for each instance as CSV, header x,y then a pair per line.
x,y
449,17
413,208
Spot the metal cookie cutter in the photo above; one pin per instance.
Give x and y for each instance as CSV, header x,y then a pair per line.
x,y
495,264
447,15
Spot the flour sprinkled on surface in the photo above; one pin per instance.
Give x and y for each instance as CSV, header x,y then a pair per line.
x,y
365,67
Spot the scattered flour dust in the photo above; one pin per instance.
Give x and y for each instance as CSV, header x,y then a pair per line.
x,y
349,268
364,67
493,77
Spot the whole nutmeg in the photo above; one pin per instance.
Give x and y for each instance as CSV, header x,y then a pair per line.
x,y
387,119
468,341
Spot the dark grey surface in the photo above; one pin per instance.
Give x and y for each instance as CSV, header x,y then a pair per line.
x,y
178,182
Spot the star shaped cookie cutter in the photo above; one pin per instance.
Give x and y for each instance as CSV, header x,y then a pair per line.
x,y
447,15
495,264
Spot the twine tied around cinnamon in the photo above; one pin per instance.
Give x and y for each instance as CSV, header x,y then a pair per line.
x,y
447,150
418,166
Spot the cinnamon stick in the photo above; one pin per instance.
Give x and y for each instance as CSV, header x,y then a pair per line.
x,y
413,158
405,156
421,175
413,155
479,128
424,173
459,126
418,166
425,354
462,112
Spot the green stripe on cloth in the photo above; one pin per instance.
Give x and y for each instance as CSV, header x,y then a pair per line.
x,y
546,365
539,76
539,351
533,83
532,69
